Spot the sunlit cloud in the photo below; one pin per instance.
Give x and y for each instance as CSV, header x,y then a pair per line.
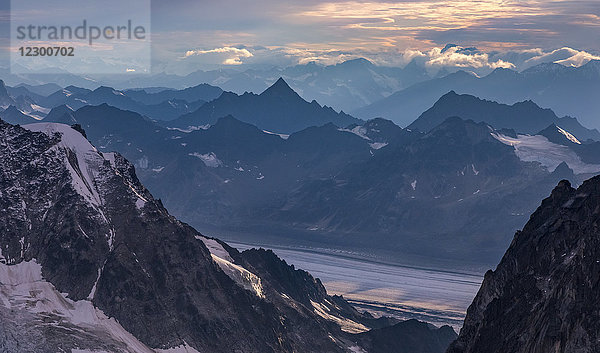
x,y
422,15
458,57
233,55
564,56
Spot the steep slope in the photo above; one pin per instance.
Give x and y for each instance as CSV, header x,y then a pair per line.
x,y
277,109
15,116
5,99
61,114
89,261
543,295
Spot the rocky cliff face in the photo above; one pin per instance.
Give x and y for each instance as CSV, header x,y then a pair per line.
x,y
543,296
89,260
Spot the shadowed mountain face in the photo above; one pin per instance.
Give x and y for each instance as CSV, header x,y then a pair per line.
x,y
15,116
543,295
5,98
523,117
565,90
407,337
83,241
278,109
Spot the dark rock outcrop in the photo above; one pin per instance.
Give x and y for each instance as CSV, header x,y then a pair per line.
x,y
543,296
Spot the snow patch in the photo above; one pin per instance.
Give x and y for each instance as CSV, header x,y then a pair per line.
x,y
378,145
240,275
216,248
568,135
40,108
283,136
110,156
209,159
184,348
358,131
537,148
22,287
414,185
346,325
190,128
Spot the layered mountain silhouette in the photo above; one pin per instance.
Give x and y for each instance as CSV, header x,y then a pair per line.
x,y
523,117
565,90
463,184
163,105
543,294
278,109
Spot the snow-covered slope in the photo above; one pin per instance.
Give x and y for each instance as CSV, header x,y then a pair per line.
x,y
25,292
537,148
239,274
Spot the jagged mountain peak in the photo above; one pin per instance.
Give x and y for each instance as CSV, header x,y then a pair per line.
x,y
3,90
5,99
524,117
558,135
13,115
61,114
280,89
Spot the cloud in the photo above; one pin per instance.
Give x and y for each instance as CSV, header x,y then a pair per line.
x,y
458,57
229,55
565,56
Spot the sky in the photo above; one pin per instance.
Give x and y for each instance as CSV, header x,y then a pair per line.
x,y
188,35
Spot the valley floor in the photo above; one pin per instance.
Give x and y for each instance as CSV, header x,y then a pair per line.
x,y
436,295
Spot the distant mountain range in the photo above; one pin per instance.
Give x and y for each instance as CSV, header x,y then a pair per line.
x,y
163,105
462,185
366,90
566,90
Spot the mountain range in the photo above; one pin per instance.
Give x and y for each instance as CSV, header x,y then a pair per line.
x,y
566,90
523,117
91,261
404,188
163,105
278,109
